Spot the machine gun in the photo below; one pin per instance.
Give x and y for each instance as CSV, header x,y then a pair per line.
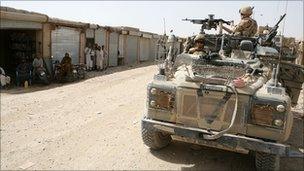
x,y
273,31
208,23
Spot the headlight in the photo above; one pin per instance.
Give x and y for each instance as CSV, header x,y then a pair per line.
x,y
278,122
153,103
161,99
153,91
280,108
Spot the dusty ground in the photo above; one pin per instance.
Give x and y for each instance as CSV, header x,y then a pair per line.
x,y
95,124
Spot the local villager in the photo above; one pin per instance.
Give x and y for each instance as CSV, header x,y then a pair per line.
x,y
4,79
94,56
105,57
38,64
23,72
99,58
247,26
66,66
88,52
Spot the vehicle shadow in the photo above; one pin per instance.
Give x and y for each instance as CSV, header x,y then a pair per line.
x,y
205,158
89,75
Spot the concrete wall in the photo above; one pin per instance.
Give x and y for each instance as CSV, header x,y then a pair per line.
x,y
46,40
82,46
39,40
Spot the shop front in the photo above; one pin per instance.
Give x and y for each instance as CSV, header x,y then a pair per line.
x,y
21,38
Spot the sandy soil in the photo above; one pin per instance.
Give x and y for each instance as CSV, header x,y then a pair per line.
x,y
95,124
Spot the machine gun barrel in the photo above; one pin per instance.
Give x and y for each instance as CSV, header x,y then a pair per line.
x,y
282,17
273,31
195,21
200,21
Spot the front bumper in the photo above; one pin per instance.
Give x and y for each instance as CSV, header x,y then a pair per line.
x,y
237,143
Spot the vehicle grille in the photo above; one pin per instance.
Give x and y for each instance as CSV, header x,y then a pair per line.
x,y
210,110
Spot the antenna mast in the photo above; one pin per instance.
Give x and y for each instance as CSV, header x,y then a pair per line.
x,y
164,25
281,44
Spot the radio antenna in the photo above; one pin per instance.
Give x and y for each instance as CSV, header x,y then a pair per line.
x,y
281,47
164,25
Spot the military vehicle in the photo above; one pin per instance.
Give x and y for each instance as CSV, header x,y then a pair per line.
x,y
236,97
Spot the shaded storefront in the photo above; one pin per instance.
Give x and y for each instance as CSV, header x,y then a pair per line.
x,y
21,38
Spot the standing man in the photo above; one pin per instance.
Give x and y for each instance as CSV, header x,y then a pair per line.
x,y
89,62
105,57
94,56
99,58
247,26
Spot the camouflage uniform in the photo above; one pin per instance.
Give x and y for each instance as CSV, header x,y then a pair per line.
x,y
300,58
247,26
198,49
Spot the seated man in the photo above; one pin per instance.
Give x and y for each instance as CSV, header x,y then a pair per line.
x,y
198,48
23,72
66,66
4,79
38,64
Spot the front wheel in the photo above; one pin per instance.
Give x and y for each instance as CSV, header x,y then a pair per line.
x,y
153,138
265,161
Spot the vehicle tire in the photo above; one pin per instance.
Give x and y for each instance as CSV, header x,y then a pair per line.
x,y
153,138
265,161
44,80
81,73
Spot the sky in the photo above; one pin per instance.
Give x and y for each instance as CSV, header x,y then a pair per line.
x,y
149,15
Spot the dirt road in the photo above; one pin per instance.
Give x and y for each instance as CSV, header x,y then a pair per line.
x,y
95,124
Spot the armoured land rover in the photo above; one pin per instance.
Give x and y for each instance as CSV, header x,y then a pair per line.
x,y
238,97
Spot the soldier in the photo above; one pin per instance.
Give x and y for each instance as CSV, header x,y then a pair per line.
x,y
66,66
198,48
247,26
300,58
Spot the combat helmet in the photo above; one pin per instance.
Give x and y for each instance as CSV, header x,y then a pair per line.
x,y
247,10
200,37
